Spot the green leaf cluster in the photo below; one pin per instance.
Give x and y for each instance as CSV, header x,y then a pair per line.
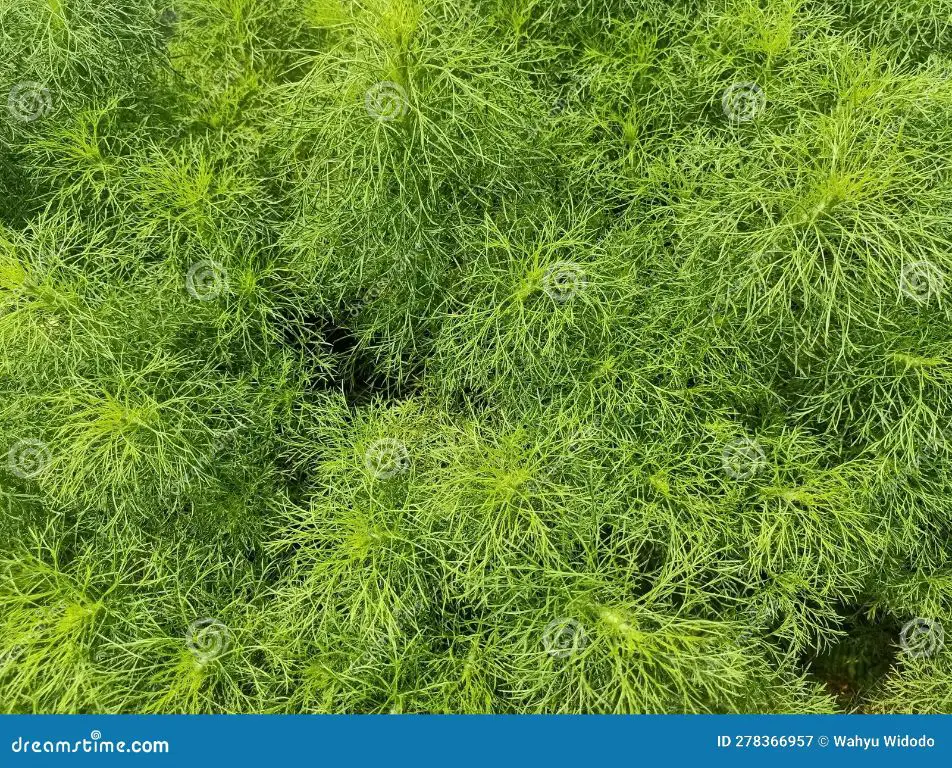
x,y
485,356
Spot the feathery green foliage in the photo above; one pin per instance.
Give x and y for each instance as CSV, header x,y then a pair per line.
x,y
494,356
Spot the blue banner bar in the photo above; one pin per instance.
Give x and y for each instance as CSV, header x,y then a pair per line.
x,y
556,741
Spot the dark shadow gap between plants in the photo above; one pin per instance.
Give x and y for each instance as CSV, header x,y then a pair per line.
x,y
852,669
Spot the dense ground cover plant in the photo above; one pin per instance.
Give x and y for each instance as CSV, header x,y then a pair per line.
x,y
475,356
